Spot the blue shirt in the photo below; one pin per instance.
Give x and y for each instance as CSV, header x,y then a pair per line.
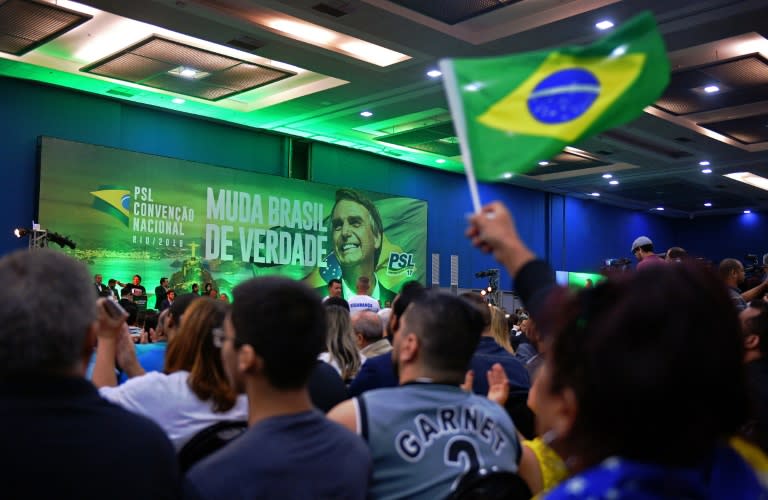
x,y
376,372
724,475
487,354
301,456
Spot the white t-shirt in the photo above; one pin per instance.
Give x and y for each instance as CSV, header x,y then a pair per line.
x,y
168,400
359,303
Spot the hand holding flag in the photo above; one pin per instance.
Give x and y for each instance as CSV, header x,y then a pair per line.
x,y
512,111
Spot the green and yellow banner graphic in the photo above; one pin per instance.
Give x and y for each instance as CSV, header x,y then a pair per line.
x,y
132,213
515,110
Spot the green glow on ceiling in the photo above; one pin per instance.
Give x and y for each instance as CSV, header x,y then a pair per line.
x,y
128,92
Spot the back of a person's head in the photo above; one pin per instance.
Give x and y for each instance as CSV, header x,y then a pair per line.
x,y
676,253
757,324
47,305
132,309
150,320
727,266
340,342
449,330
363,284
410,291
336,301
500,328
192,350
369,325
180,305
654,361
481,304
284,322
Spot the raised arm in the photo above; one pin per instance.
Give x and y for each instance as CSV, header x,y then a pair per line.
x,y
493,231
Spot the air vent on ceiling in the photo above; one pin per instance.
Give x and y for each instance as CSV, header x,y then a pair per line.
x,y
246,43
27,24
183,69
645,145
330,10
438,139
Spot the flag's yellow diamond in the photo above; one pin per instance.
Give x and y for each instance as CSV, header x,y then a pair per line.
x,y
564,96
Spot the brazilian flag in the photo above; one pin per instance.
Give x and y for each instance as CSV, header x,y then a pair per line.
x,y
114,201
513,111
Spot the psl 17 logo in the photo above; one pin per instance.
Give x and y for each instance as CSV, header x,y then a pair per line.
x,y
400,263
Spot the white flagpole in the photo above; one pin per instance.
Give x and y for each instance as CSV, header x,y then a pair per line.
x,y
450,84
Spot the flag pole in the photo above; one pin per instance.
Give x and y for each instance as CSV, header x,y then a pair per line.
x,y
450,84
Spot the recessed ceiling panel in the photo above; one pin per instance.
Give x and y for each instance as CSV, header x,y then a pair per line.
x,y
747,130
453,11
743,80
438,139
565,162
26,24
161,63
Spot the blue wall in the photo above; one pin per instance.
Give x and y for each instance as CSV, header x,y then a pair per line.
x,y
718,237
573,234
586,232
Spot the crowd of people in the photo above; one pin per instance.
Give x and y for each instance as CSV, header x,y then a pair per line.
x,y
652,384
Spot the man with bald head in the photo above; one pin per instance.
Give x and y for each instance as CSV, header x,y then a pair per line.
x,y
369,334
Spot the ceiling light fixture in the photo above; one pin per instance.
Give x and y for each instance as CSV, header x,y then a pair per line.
x,y
508,175
544,163
371,52
304,31
749,178
440,160
473,87
706,170
188,73
178,100
613,182
603,25
434,73
704,163
607,176
660,209
747,211
711,89
594,194
366,113
707,204
329,39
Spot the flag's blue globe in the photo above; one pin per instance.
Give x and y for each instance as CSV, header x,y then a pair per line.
x,y
563,96
125,201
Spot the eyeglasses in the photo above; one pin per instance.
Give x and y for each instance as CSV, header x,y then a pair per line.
x,y
219,337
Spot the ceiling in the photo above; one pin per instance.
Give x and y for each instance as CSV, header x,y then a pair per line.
x,y
259,73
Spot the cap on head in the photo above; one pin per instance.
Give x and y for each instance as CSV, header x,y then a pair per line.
x,y
641,242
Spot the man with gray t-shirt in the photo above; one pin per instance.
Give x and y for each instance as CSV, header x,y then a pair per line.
x,y
427,434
